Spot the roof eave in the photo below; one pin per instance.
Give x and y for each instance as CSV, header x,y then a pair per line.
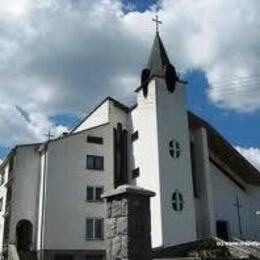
x,y
217,142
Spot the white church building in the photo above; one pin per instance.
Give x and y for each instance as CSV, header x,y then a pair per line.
x,y
50,193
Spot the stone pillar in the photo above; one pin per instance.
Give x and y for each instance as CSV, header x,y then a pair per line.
x,y
128,223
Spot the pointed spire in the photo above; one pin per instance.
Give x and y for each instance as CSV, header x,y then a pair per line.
x,y
158,57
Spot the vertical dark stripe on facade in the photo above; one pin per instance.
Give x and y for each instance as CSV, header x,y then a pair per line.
x,y
120,155
193,171
115,157
119,140
125,157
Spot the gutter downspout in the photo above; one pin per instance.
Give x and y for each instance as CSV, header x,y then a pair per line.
x,y
43,203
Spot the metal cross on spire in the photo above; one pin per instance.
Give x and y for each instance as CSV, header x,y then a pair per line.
x,y
157,22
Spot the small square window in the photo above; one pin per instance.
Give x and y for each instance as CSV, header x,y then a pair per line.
x,y
94,228
99,228
90,162
99,163
90,228
94,193
95,162
90,193
94,139
99,192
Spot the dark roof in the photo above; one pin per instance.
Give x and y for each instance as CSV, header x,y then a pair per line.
x,y
158,57
157,62
119,104
217,144
225,152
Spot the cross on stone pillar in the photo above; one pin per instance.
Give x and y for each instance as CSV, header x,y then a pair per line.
x,y
238,206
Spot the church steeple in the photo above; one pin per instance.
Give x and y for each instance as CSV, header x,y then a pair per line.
x,y
158,58
158,65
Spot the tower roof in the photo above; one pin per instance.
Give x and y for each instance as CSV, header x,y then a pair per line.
x,y
158,57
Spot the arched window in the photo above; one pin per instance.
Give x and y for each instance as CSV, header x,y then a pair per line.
x,y
24,232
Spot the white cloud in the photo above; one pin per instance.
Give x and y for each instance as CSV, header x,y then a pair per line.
x,y
21,127
59,56
252,154
221,38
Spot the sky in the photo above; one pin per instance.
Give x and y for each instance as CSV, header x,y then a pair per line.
x,y
59,58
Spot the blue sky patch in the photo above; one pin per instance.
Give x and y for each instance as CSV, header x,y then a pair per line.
x,y
136,5
240,129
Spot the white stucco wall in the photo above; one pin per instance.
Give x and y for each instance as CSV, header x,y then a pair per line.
x,y
146,156
117,115
175,173
160,118
25,189
225,192
67,178
98,117
254,220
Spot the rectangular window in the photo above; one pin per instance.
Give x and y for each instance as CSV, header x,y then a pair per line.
x,y
99,228
90,229
99,192
94,139
134,136
94,193
95,162
94,228
90,193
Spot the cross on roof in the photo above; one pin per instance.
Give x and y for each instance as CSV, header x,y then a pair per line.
x,y
157,21
49,135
